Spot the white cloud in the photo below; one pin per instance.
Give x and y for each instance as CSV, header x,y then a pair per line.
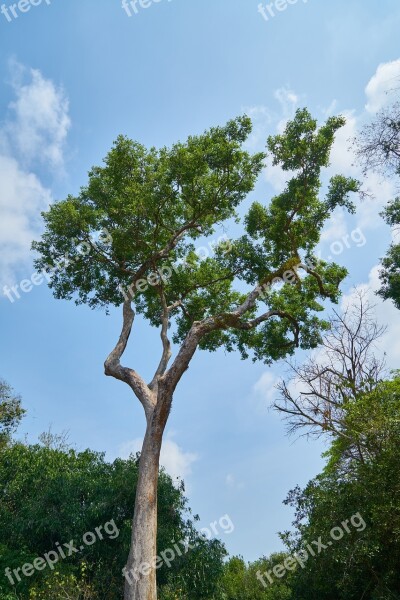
x,y
335,229
22,197
174,459
39,126
231,482
342,156
385,79
289,102
385,313
261,118
265,386
34,132
380,192
264,393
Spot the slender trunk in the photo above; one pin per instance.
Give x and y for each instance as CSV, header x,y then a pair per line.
x,y
140,571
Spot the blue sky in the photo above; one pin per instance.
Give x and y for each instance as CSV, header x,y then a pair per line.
x,y
73,76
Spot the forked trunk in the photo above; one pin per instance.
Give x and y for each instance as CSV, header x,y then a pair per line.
x,y
156,398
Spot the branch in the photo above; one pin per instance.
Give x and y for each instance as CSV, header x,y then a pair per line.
x,y
166,355
113,367
186,352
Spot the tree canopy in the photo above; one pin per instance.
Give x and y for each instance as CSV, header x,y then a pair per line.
x,y
140,214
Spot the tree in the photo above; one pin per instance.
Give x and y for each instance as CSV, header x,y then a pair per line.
x,y
378,149
128,239
11,411
248,581
319,394
378,146
365,562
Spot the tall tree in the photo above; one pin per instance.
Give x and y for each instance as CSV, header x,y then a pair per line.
x,y
378,149
261,298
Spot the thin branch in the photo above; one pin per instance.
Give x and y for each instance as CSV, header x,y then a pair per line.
x,y
113,367
166,344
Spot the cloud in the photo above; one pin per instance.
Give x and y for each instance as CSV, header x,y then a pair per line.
x,y
34,132
176,462
264,393
343,158
40,122
266,385
289,102
264,118
385,313
231,482
22,197
385,79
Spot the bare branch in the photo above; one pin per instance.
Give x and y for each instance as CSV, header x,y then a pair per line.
x,y
113,367
317,394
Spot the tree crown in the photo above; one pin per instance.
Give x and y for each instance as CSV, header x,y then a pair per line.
x,y
129,237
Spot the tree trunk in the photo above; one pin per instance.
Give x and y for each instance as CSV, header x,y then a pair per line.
x,y
140,571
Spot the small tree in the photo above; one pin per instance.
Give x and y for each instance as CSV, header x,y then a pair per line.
x,y
261,297
320,393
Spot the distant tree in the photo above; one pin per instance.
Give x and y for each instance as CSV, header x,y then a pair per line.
x,y
55,441
378,149
378,145
261,298
11,411
318,394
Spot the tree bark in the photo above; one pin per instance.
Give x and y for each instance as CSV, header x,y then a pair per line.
x,y
140,570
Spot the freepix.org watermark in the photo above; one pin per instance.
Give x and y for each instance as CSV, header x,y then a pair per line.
x,y
271,9
166,557
26,285
164,274
316,547
133,6
50,559
23,6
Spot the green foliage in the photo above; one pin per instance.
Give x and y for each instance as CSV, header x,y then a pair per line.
x,y
146,200
56,495
61,585
154,204
196,575
364,564
242,581
11,411
390,274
